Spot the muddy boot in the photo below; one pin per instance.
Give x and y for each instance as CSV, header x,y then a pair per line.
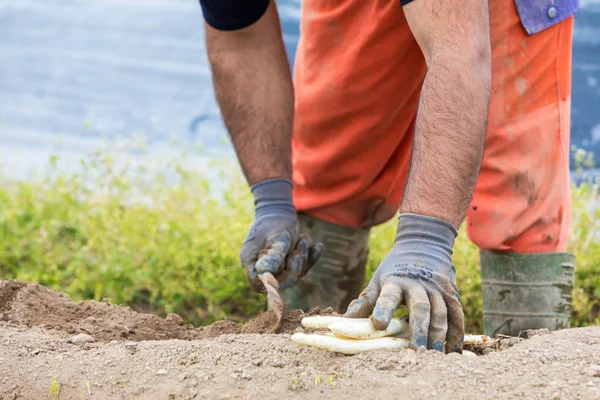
x,y
526,291
338,277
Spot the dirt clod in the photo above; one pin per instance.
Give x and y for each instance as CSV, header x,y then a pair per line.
x,y
131,347
81,339
175,319
264,322
529,333
594,371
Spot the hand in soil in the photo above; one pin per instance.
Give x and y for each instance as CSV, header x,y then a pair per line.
x,y
418,273
274,245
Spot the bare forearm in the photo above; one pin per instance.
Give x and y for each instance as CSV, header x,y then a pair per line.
x,y
253,85
449,136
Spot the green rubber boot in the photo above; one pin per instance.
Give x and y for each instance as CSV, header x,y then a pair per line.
x,y
338,277
526,291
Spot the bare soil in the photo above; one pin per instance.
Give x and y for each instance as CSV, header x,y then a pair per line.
x,y
34,305
141,356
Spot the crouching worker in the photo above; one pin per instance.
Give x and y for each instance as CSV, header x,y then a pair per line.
x,y
389,111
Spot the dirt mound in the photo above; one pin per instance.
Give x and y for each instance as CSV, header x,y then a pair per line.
x,y
34,305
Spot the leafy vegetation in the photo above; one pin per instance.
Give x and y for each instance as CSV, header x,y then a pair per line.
x,y
161,238
54,390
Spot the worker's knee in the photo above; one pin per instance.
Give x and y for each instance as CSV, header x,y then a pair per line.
x,y
338,277
229,15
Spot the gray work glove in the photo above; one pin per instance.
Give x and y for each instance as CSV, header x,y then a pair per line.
x,y
418,273
274,243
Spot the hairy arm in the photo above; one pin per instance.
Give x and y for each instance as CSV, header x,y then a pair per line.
x,y
253,86
452,115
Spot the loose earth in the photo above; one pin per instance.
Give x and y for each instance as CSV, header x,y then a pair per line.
x,y
102,351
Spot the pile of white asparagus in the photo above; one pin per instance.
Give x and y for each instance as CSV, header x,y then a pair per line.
x,y
355,335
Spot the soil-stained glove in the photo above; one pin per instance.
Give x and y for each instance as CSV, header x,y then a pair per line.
x,y
274,243
418,273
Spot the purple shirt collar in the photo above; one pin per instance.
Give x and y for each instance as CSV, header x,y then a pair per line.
x,y
537,15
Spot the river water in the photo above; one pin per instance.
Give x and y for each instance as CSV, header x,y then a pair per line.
x,y
76,73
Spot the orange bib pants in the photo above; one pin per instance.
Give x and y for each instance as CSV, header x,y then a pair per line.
x,y
358,76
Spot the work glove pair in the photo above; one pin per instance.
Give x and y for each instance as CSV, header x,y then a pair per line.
x,y
417,271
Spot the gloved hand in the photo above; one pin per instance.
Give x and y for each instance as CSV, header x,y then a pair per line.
x,y
274,243
418,273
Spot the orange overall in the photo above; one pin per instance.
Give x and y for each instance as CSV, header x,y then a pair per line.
x,y
358,76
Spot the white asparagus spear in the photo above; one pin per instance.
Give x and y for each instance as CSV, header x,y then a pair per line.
x,y
320,321
362,328
476,339
309,340
353,327
348,346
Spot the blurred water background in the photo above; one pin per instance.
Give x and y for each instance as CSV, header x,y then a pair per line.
x,y
76,74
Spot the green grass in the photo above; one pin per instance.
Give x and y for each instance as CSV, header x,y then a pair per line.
x,y
90,235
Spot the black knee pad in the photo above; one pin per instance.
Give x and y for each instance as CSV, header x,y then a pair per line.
x,y
230,15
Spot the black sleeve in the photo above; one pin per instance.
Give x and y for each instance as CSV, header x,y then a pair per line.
x,y
405,2
229,15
